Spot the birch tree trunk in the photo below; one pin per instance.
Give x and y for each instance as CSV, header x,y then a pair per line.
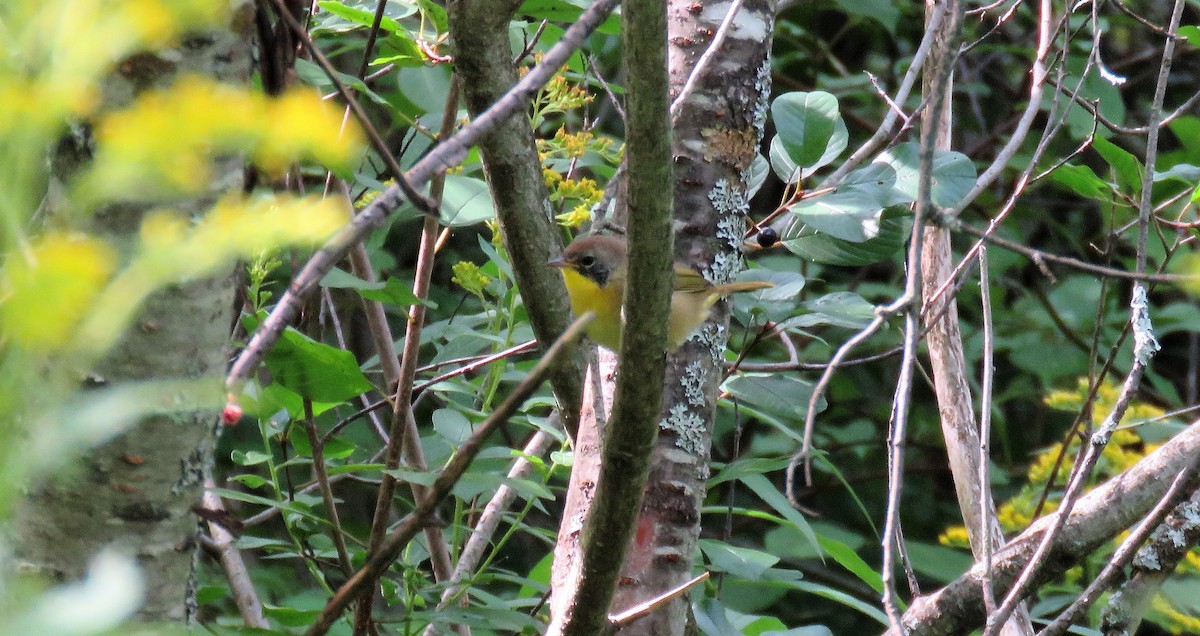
x,y
135,493
717,129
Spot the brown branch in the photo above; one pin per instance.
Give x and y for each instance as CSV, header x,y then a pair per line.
x,y
403,436
240,585
1184,483
1098,517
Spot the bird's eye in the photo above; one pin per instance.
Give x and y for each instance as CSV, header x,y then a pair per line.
x,y
587,260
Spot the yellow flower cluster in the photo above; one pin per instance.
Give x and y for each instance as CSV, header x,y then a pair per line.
x,y
1106,398
468,276
162,144
50,67
63,292
46,293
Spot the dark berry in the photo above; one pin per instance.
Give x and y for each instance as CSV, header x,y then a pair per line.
x,y
767,237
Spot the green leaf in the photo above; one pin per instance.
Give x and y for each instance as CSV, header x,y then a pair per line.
x,y
435,13
361,17
567,11
336,448
1082,181
453,426
315,370
466,201
756,175
782,396
314,75
770,495
849,559
249,458
1128,168
806,123
251,481
747,466
851,214
842,309
421,478
937,561
787,285
824,591
885,12
741,562
290,616
807,242
285,506
953,173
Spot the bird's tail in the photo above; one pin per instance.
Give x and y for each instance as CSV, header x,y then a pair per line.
x,y
720,291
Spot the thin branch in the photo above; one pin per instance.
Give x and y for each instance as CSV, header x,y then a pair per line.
x,y
623,619
702,64
322,477
1183,484
987,510
1039,256
244,594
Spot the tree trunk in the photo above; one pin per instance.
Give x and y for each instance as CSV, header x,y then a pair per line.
x,y
135,492
716,137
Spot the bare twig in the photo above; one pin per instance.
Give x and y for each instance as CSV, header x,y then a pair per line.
x,y
489,521
986,509
322,477
244,594
621,619
1073,263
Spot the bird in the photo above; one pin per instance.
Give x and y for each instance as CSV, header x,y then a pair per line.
x,y
594,269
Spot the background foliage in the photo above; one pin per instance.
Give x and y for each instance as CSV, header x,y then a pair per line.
x,y
67,295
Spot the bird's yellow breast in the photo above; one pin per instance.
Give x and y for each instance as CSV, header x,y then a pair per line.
x,y
605,301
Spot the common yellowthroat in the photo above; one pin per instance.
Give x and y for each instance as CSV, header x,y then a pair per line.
x,y
594,269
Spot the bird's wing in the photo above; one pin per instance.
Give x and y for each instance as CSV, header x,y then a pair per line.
x,y
690,281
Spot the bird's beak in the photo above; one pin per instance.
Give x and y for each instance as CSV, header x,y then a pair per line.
x,y
557,262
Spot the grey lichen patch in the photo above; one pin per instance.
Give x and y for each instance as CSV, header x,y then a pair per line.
x,y
695,375
688,428
762,84
729,230
724,268
713,337
729,199
1190,513
1145,345
1147,559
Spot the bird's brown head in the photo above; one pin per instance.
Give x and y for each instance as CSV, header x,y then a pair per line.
x,y
596,257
